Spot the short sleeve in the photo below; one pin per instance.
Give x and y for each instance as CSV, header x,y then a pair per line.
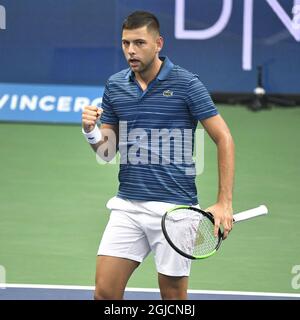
x,y
108,115
199,100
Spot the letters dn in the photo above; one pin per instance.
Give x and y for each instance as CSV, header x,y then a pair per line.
x,y
2,18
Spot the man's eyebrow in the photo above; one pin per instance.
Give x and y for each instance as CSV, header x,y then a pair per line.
x,y
135,40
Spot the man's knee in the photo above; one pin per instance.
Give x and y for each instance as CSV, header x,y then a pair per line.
x,y
112,274
102,293
173,288
173,294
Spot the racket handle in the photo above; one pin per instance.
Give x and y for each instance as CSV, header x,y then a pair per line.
x,y
251,213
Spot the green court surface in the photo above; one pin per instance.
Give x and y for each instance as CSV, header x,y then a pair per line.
x,y
53,195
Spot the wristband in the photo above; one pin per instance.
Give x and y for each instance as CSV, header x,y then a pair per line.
x,y
94,136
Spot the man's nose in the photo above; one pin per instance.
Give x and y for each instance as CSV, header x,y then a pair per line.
x,y
131,49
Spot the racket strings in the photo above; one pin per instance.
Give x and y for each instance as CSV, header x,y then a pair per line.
x,y
205,241
191,232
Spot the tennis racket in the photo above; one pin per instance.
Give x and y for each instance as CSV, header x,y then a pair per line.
x,y
190,231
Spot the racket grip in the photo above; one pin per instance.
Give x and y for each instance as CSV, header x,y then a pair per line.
x,y
251,213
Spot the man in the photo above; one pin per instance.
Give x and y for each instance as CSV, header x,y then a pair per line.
x,y
153,94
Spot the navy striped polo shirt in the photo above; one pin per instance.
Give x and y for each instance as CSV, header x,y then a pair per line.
x,y
156,130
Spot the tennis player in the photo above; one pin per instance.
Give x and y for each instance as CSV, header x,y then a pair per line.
x,y
152,95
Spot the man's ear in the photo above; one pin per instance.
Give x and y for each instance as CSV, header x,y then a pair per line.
x,y
160,43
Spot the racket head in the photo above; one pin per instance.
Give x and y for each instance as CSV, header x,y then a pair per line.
x,y
190,232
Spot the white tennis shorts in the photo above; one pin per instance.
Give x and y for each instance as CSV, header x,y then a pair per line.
x,y
134,229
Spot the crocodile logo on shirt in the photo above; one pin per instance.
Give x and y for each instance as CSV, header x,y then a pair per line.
x,y
167,93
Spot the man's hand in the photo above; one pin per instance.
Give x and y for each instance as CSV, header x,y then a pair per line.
x,y
90,116
222,216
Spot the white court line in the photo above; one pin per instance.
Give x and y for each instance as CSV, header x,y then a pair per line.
x,y
48,286
214,292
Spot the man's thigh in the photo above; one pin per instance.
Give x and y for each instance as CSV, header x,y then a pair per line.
x,y
112,274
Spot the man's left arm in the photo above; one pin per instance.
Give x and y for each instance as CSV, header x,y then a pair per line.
x,y
222,209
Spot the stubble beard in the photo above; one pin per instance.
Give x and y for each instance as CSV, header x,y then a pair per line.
x,y
145,67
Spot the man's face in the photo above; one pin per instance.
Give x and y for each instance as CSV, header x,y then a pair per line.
x,y
140,48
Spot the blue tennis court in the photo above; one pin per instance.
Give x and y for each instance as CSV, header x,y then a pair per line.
x,y
52,292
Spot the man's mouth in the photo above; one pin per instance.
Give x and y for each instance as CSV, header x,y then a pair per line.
x,y
134,62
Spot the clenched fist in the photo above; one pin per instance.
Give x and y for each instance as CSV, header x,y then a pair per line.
x,y
90,116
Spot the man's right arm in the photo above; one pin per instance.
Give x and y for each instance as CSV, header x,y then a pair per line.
x,y
107,146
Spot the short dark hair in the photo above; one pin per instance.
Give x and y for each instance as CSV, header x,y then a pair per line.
x,y
139,19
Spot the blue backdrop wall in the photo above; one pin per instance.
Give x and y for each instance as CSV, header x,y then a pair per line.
x,y
78,41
